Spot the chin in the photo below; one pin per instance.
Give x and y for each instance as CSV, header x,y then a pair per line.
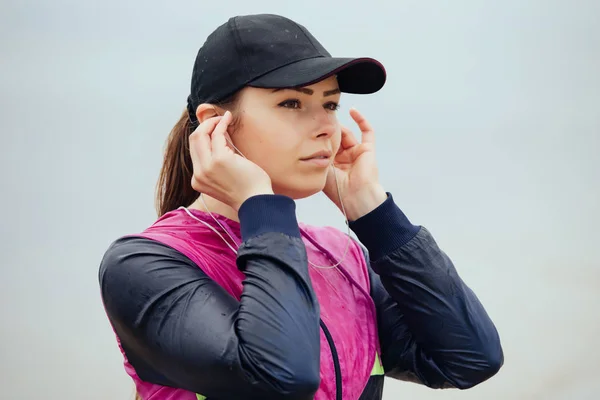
x,y
302,190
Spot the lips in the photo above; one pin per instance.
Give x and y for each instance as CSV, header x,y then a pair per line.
x,y
319,155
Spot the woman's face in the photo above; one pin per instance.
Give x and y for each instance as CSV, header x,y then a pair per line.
x,y
282,130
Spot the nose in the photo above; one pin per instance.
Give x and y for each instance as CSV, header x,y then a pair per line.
x,y
325,124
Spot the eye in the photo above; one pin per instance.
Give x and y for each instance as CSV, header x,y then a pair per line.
x,y
332,105
291,103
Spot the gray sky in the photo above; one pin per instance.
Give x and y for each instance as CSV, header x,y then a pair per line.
x,y
488,133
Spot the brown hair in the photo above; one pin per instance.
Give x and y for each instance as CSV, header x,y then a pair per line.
x,y
174,187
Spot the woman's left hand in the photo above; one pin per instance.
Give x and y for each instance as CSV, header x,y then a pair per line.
x,y
356,169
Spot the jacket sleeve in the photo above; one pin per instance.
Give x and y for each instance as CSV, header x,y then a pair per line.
x,y
433,330
179,328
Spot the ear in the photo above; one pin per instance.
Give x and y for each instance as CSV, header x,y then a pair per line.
x,y
206,111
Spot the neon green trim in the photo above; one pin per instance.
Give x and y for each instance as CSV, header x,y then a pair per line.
x,y
200,397
377,366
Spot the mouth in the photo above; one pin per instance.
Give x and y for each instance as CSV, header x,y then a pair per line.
x,y
320,159
320,155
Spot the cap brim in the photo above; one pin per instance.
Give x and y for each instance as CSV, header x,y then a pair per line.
x,y
355,75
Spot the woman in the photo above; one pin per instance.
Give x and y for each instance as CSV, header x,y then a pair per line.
x,y
227,296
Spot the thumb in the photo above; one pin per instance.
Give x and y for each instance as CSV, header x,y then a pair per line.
x,y
331,184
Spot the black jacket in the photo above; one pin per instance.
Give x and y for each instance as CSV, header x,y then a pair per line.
x,y
432,328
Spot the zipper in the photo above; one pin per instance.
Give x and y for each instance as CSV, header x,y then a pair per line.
x,y
336,361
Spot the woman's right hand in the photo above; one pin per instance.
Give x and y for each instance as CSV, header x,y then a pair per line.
x,y
218,171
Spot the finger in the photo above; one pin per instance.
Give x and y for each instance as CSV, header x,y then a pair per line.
x,y
200,146
368,134
348,139
218,140
230,144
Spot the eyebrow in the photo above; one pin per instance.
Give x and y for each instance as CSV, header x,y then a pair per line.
x,y
310,92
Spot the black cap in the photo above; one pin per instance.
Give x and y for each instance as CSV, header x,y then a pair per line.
x,y
271,51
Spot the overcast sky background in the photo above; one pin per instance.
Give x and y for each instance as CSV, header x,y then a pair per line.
x,y
488,132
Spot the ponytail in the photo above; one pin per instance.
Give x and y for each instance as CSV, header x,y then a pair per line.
x,y
174,188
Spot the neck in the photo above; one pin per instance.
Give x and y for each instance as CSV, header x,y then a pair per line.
x,y
214,206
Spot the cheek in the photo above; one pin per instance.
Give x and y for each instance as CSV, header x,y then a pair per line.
x,y
269,144
336,140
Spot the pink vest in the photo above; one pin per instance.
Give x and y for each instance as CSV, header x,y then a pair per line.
x,y
343,293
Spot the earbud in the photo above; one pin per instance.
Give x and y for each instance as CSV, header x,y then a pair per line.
x,y
227,138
